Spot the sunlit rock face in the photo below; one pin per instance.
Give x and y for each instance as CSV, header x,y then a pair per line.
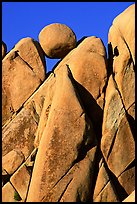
x,y
69,135
57,40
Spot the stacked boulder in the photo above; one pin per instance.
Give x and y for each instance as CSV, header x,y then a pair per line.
x,y
69,136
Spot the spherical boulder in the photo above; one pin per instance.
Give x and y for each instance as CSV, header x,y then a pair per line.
x,y
57,40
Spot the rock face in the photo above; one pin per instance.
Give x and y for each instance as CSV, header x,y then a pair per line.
x,y
4,49
61,140
122,39
57,40
70,137
12,160
23,70
91,75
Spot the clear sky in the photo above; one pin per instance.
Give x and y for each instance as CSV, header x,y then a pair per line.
x,y
27,19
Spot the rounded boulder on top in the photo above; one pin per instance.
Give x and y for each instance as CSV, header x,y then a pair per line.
x,y
57,40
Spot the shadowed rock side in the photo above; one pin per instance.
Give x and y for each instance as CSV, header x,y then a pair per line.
x,y
69,136
4,49
88,65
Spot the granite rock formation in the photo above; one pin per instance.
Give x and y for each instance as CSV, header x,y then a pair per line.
x,y
57,40
69,136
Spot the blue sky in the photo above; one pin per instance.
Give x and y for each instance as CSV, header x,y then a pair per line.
x,y
26,19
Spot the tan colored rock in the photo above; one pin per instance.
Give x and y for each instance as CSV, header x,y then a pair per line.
x,y
101,181
45,91
31,52
68,130
122,37
50,89
125,23
102,193
76,184
57,40
127,180
20,78
4,49
79,188
130,198
117,143
8,193
19,133
20,180
91,69
107,194
87,63
12,160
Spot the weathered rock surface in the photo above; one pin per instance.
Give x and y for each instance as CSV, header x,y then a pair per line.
x,y
19,133
116,133
23,70
12,160
60,139
57,40
4,49
104,189
71,137
122,38
127,180
49,92
8,193
107,194
20,181
31,52
23,130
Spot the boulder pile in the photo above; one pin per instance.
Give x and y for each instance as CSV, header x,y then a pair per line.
x,y
69,136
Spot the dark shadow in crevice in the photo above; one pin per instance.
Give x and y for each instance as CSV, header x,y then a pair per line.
x,y
111,56
41,53
98,156
92,109
5,178
116,52
110,60
82,151
48,73
131,122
